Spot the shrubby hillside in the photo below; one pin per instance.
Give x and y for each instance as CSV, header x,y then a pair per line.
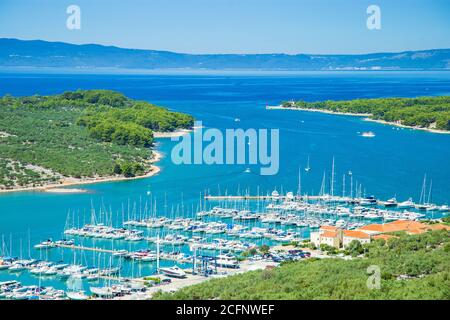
x,y
78,134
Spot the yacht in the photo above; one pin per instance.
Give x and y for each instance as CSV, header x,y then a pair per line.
x,y
175,272
76,295
406,204
290,196
47,244
227,261
433,208
17,267
367,201
368,134
103,292
389,203
120,253
422,206
275,195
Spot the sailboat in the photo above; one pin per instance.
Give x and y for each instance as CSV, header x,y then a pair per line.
x,y
307,168
422,205
75,292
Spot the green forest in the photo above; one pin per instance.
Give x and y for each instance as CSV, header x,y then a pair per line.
x,y
85,133
423,112
411,267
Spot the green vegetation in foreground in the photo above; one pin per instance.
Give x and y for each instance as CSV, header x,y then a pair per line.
x,y
412,267
423,112
91,133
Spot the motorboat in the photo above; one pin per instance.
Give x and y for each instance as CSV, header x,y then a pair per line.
x,y
368,134
47,244
103,292
275,195
389,203
175,272
227,261
76,295
408,204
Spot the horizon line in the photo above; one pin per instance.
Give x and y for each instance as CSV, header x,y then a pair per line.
x,y
240,54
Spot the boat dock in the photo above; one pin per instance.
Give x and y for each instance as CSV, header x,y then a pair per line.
x,y
74,247
163,255
263,198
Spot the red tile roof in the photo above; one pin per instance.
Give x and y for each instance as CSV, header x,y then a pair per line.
x,y
356,234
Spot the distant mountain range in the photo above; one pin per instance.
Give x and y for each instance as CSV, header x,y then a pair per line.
x,y
44,54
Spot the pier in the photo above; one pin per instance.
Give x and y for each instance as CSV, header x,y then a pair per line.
x,y
74,247
264,198
163,255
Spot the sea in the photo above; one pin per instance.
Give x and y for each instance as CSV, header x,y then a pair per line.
x,y
391,164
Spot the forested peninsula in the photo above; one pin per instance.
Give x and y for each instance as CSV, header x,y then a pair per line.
x,y
430,113
84,135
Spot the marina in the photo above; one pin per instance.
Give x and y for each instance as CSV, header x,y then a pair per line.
x,y
211,242
206,220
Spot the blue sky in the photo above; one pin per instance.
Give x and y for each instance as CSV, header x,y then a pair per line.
x,y
235,26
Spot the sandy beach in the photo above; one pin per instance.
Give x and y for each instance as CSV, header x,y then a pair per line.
x,y
176,133
61,186
319,110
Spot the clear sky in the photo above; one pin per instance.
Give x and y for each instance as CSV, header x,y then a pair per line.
x,y
235,26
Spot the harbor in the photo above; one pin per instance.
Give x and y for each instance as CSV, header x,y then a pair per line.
x,y
143,252
205,216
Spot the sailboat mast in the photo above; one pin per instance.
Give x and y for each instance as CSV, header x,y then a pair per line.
x,y
351,186
332,178
422,192
157,253
343,185
429,192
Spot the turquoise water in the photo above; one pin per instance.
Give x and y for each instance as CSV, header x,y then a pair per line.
x,y
391,164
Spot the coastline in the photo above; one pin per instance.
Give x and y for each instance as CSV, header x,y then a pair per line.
x,y
61,187
366,115
175,134
406,127
320,111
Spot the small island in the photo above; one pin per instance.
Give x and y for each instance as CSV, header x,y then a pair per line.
x,y
425,113
79,137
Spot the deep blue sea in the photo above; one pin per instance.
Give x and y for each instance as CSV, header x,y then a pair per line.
x,y
391,164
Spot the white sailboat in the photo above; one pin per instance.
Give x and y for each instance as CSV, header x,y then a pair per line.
x,y
307,168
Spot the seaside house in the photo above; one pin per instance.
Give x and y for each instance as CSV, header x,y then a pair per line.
x,y
350,235
329,235
408,226
338,238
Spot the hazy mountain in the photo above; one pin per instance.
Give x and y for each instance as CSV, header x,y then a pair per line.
x,y
37,53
